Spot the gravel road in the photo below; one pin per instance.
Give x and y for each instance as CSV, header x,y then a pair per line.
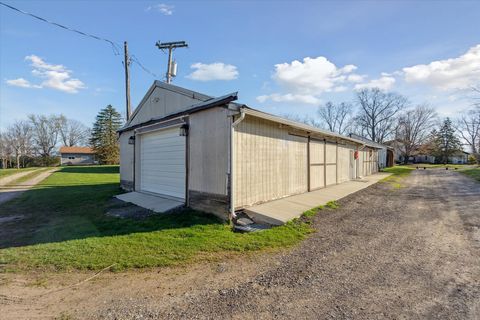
x,y
409,253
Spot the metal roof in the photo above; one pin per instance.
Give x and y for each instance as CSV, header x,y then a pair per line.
x,y
302,126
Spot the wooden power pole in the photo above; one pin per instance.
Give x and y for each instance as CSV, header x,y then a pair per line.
x,y
170,46
127,80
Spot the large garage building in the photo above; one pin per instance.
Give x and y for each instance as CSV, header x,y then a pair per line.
x,y
219,156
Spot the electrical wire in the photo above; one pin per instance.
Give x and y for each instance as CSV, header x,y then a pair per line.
x,y
115,46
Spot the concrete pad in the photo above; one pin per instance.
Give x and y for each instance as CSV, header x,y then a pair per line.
x,y
156,203
278,212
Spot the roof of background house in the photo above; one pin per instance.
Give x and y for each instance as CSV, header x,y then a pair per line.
x,y
85,150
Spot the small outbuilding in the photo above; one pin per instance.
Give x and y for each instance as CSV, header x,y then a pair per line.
x,y
215,155
75,156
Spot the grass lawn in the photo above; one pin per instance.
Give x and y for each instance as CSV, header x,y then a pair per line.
x,y
472,172
29,176
10,171
397,174
61,225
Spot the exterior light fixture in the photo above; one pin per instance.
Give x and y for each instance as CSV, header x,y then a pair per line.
x,y
184,130
131,140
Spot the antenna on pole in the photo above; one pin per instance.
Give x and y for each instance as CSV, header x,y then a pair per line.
x,y
172,65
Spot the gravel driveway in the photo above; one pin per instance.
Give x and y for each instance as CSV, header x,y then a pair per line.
x,y
409,253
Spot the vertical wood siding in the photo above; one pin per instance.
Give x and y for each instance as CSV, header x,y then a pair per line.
x,y
209,148
331,157
269,162
317,170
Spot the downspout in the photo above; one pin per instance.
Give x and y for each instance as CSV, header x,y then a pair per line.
x,y
134,161
232,162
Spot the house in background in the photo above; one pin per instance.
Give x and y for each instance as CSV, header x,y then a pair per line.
x,y
218,156
422,155
386,154
76,156
461,157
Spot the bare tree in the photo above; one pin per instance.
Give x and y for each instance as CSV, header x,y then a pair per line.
x,y
336,117
306,119
5,150
413,129
45,132
378,112
73,132
19,137
468,125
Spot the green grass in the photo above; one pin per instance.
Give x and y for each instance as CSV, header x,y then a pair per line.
x,y
28,176
472,172
64,227
398,173
10,171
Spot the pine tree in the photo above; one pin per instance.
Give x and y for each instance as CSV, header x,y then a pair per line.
x,y
446,142
104,138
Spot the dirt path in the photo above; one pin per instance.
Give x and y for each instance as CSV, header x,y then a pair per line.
x,y
9,191
8,179
410,253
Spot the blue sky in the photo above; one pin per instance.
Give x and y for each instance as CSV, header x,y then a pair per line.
x,y
283,57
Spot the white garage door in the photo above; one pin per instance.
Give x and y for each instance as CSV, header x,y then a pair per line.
x,y
162,162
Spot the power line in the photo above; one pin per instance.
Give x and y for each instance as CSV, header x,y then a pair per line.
x,y
115,46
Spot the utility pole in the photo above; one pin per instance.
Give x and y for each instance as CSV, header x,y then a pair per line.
x,y
127,80
170,46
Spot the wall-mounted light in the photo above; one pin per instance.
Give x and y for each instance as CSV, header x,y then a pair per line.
x,y
184,130
131,140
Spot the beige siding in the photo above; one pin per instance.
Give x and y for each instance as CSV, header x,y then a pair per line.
x,y
317,170
208,153
344,155
126,157
160,103
331,157
269,162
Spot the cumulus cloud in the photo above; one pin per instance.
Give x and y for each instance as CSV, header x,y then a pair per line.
x,y
385,82
213,71
56,76
455,73
304,81
163,8
289,97
21,82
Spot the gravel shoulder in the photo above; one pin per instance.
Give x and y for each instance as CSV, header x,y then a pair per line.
x,y
386,253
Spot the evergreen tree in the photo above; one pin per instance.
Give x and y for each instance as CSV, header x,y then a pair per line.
x,y
104,138
445,141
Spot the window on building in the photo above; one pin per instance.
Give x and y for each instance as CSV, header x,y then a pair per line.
x,y
71,157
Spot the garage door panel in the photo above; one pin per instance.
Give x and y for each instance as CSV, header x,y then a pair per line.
x,y
162,162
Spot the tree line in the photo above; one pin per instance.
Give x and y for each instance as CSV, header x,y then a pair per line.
x,y
36,140
387,117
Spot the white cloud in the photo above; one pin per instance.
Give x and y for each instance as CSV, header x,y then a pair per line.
x,y
163,8
313,75
454,73
21,82
56,77
213,71
304,81
289,97
383,83
356,78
